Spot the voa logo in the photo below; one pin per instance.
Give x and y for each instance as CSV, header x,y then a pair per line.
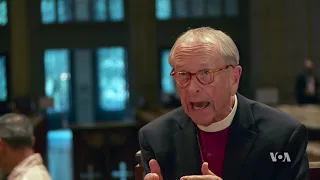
x,y
275,157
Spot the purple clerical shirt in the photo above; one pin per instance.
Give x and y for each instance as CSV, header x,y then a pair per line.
x,y
213,147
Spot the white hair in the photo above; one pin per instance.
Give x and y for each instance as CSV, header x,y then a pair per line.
x,y
213,38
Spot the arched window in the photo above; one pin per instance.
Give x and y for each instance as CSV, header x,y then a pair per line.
x,y
64,11
112,80
3,79
3,12
182,9
167,82
57,79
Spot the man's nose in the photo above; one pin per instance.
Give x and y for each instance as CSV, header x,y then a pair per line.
x,y
194,86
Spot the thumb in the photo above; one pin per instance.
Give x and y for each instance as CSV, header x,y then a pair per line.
x,y
155,167
205,169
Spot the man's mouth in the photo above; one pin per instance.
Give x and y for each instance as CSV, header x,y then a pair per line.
x,y
199,105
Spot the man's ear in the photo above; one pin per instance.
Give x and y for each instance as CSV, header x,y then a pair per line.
x,y
235,79
237,71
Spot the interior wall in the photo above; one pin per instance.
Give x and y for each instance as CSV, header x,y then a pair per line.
x,y
282,37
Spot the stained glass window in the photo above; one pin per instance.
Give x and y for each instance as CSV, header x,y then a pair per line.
x,y
214,8
60,150
112,84
56,10
48,12
64,11
116,10
181,9
197,8
82,10
3,79
167,82
163,9
231,7
57,79
3,12
100,10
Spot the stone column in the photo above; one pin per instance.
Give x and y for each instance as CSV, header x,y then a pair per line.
x,y
19,51
143,51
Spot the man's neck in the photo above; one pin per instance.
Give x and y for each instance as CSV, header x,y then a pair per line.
x,y
228,109
20,155
225,121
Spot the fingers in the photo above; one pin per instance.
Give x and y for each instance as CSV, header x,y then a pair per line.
x,y
152,176
154,166
200,177
155,171
205,169
207,174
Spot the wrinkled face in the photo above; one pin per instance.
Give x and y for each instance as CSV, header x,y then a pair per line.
x,y
212,102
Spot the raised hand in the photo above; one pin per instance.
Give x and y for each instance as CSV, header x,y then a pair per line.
x,y
206,174
155,173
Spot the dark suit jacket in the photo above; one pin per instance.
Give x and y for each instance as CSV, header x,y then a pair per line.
x,y
301,85
256,131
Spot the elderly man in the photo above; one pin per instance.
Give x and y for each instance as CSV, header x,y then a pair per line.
x,y
17,157
218,133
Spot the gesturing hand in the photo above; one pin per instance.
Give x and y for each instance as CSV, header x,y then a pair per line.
x,y
155,173
206,174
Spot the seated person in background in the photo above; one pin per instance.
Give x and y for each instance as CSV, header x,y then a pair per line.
x,y
17,157
218,133
307,85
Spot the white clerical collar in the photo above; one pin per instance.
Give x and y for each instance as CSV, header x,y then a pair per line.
x,y
223,124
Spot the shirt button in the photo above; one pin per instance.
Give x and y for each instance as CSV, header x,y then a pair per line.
x,y
209,154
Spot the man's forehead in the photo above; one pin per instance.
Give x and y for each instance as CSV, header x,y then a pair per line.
x,y
189,40
193,47
204,57
205,63
192,38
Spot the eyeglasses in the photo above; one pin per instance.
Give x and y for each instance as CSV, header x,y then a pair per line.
x,y
182,78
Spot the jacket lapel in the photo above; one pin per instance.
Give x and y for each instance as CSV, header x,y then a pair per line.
x,y
241,138
187,149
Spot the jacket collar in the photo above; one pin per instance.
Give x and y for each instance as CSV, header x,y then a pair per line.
x,y
242,135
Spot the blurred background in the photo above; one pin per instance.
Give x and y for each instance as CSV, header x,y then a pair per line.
x,y
90,73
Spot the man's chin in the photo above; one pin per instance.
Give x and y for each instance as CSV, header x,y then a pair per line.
x,y
202,121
